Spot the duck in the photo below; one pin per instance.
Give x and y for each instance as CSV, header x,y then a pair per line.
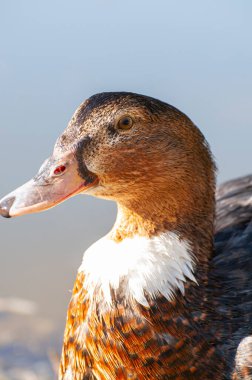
x,y
166,294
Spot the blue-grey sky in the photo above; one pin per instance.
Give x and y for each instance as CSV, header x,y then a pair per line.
x,y
196,55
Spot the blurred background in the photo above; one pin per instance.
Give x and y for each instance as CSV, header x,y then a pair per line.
x,y
195,55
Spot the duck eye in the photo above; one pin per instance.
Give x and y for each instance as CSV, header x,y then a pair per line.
x,y
125,123
59,170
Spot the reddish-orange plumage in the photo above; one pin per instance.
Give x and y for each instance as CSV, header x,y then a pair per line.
x,y
125,341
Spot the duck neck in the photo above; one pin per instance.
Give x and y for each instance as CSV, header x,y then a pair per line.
x,y
183,315
195,227
194,230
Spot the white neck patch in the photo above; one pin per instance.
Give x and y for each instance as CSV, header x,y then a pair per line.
x,y
159,264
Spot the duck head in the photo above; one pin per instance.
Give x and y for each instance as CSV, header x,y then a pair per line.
x,y
145,154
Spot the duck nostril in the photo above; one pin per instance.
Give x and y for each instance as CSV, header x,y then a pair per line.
x,y
5,207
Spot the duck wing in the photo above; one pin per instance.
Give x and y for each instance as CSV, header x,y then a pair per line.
x,y
231,275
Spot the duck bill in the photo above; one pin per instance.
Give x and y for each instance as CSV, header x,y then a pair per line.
x,y
53,184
